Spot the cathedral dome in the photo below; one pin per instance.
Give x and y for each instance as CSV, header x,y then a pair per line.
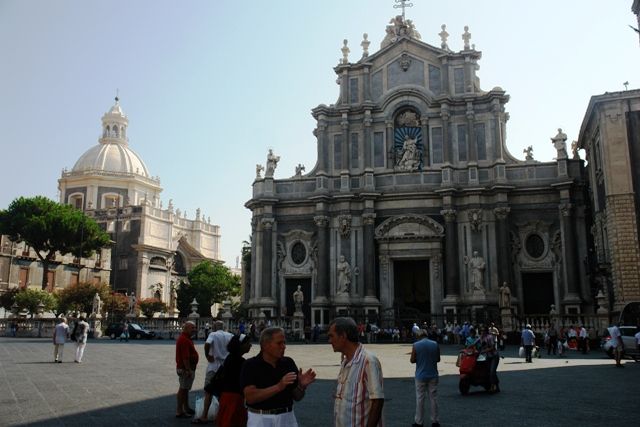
x,y
112,154
111,157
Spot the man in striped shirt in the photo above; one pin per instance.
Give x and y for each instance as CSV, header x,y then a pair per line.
x,y
359,394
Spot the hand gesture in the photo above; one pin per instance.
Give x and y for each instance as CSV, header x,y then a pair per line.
x,y
306,378
288,379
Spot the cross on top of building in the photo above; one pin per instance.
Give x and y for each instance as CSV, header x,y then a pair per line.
x,y
403,4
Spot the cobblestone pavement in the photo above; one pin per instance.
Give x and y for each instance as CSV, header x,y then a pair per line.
x,y
135,383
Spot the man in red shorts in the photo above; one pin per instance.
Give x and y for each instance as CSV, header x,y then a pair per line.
x,y
186,361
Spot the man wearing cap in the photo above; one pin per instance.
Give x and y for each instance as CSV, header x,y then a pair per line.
x,y
426,355
528,340
271,382
186,361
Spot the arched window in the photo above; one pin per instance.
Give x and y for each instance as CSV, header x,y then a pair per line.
x,y
76,200
116,131
111,200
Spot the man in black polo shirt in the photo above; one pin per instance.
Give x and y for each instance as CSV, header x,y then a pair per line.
x,y
271,382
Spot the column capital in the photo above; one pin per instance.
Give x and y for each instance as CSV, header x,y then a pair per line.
x,y
565,209
321,220
501,213
369,218
448,214
267,223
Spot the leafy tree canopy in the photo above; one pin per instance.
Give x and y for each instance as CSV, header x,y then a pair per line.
x,y
30,299
49,227
150,306
79,298
209,282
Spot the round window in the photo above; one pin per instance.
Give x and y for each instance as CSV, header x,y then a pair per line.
x,y
298,253
535,245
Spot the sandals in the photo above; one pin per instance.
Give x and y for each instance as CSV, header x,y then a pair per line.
x,y
183,415
198,421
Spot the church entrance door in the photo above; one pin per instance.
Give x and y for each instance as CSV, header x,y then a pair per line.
x,y
291,287
538,292
411,284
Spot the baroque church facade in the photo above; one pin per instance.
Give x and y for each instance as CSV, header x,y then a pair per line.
x,y
415,206
154,247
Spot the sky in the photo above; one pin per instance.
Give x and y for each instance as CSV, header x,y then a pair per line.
x,y
210,86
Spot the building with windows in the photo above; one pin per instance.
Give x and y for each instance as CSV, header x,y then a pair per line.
x,y
415,207
153,247
610,136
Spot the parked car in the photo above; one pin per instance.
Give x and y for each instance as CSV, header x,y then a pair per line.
x,y
628,339
135,331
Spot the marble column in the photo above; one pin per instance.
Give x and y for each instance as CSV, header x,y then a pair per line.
x,y
471,141
391,149
426,160
369,254
569,250
322,282
446,145
368,144
452,283
503,246
267,254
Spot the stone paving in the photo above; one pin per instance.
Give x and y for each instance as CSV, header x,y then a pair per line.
x,y
134,384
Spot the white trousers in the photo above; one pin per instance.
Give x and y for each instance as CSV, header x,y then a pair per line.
x,y
288,419
421,387
58,349
80,351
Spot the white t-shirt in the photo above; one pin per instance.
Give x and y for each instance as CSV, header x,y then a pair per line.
x,y
218,341
614,333
62,329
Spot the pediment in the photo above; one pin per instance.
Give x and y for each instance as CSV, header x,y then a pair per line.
x,y
410,226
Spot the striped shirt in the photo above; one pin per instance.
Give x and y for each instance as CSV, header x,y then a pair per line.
x,y
359,381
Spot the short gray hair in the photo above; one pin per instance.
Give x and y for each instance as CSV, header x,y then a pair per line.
x,y
267,335
218,325
346,326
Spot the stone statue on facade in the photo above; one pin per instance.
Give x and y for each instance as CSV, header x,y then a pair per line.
x,y
505,296
574,151
344,275
476,265
259,169
528,153
298,299
399,27
560,144
410,157
299,169
173,298
272,163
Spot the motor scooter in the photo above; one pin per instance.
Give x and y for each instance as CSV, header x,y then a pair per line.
x,y
474,371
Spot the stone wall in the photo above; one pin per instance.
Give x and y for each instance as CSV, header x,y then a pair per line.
x,y
625,250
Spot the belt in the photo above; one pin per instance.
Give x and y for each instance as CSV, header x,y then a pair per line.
x,y
276,411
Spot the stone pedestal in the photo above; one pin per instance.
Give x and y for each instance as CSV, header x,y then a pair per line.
x,y
297,324
173,313
506,319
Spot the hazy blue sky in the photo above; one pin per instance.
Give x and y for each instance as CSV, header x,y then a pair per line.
x,y
209,86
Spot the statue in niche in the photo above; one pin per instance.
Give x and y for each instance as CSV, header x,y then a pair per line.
x,y
173,298
504,301
476,266
344,275
272,163
410,156
298,299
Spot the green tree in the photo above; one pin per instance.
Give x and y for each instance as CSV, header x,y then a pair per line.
x,y
209,282
30,299
150,306
79,297
49,227
117,305
8,297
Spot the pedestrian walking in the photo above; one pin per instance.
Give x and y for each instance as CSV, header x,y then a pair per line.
x,y
425,353
359,394
271,382
583,339
81,335
618,349
215,350
528,340
60,334
186,362
552,339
